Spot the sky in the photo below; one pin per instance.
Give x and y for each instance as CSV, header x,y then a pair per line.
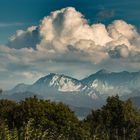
x,y
74,37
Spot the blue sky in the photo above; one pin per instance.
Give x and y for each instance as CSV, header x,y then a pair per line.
x,y
21,14
78,41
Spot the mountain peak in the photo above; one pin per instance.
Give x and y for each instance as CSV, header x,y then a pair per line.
x,y
59,82
51,75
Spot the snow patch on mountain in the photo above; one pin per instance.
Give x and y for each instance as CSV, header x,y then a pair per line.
x,y
65,84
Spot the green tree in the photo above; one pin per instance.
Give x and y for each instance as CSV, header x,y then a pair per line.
x,y
115,120
56,118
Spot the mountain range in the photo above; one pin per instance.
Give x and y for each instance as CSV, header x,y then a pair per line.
x,y
90,92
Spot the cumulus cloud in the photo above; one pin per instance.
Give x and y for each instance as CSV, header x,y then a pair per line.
x,y
64,41
25,39
66,31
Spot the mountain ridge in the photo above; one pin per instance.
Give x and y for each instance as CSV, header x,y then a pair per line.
x,y
89,90
101,75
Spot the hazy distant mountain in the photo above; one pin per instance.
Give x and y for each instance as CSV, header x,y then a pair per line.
x,y
110,83
86,93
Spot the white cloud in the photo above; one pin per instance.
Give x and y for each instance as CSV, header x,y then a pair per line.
x,y
25,39
65,41
120,28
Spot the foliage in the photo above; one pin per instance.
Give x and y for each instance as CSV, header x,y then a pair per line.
x,y
116,120
34,119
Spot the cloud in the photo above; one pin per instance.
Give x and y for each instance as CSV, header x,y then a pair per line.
x,y
65,42
120,51
25,39
120,28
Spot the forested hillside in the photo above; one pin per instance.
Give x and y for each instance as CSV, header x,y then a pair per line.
x,y
35,119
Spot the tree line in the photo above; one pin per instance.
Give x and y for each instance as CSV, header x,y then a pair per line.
x,y
37,119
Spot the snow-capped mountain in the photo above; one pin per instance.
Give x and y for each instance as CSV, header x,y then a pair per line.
x,y
58,82
88,92
112,83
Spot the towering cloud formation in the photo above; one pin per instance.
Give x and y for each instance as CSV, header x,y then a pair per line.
x,y
66,31
66,36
